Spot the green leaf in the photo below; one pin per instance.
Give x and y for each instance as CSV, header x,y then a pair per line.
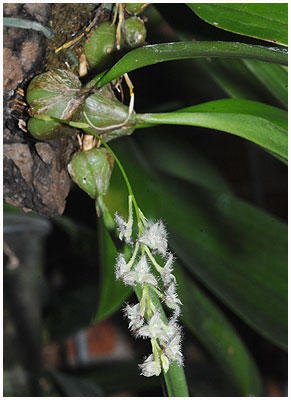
x,y
250,276
262,21
245,107
153,54
234,78
112,292
262,124
211,328
184,163
274,77
238,78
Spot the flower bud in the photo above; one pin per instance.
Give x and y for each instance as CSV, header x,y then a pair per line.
x,y
134,31
91,171
54,93
99,46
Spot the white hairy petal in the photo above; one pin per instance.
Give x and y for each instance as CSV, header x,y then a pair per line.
x,y
173,349
121,225
150,367
154,329
150,279
155,238
177,312
170,331
121,267
167,275
129,278
134,315
171,297
142,270
140,274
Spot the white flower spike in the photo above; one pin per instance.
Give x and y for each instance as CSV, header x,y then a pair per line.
x,y
145,318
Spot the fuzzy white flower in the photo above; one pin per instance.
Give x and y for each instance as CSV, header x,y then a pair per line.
x,y
121,225
167,276
169,331
155,238
171,297
124,228
121,267
141,274
173,349
173,328
154,329
150,366
134,315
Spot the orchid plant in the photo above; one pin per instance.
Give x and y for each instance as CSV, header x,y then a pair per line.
x,y
238,269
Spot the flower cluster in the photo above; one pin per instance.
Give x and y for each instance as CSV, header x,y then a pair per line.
x,y
146,319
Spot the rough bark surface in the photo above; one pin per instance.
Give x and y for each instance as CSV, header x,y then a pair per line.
x,y
35,172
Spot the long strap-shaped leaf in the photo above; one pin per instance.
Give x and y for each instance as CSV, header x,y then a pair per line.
x,y
262,124
157,53
262,21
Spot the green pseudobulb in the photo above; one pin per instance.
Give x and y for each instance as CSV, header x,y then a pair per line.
x,y
99,46
103,110
135,8
91,171
53,93
134,31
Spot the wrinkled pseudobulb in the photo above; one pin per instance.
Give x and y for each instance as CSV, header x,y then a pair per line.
x,y
106,115
56,94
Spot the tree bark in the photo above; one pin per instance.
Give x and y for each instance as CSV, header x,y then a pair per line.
x,y
35,172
